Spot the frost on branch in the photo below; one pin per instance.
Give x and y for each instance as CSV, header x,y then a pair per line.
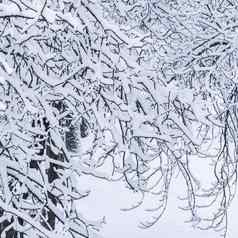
x,y
125,90
65,68
186,105
194,48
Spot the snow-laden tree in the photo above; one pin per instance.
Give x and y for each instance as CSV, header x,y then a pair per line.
x,y
193,45
127,90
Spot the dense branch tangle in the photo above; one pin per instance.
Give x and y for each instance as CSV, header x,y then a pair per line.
x,y
194,49
62,68
46,89
138,96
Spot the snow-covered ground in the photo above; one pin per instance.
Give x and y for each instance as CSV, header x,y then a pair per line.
x,y
107,199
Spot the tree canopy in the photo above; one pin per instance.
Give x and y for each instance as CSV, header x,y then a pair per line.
x,y
119,90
